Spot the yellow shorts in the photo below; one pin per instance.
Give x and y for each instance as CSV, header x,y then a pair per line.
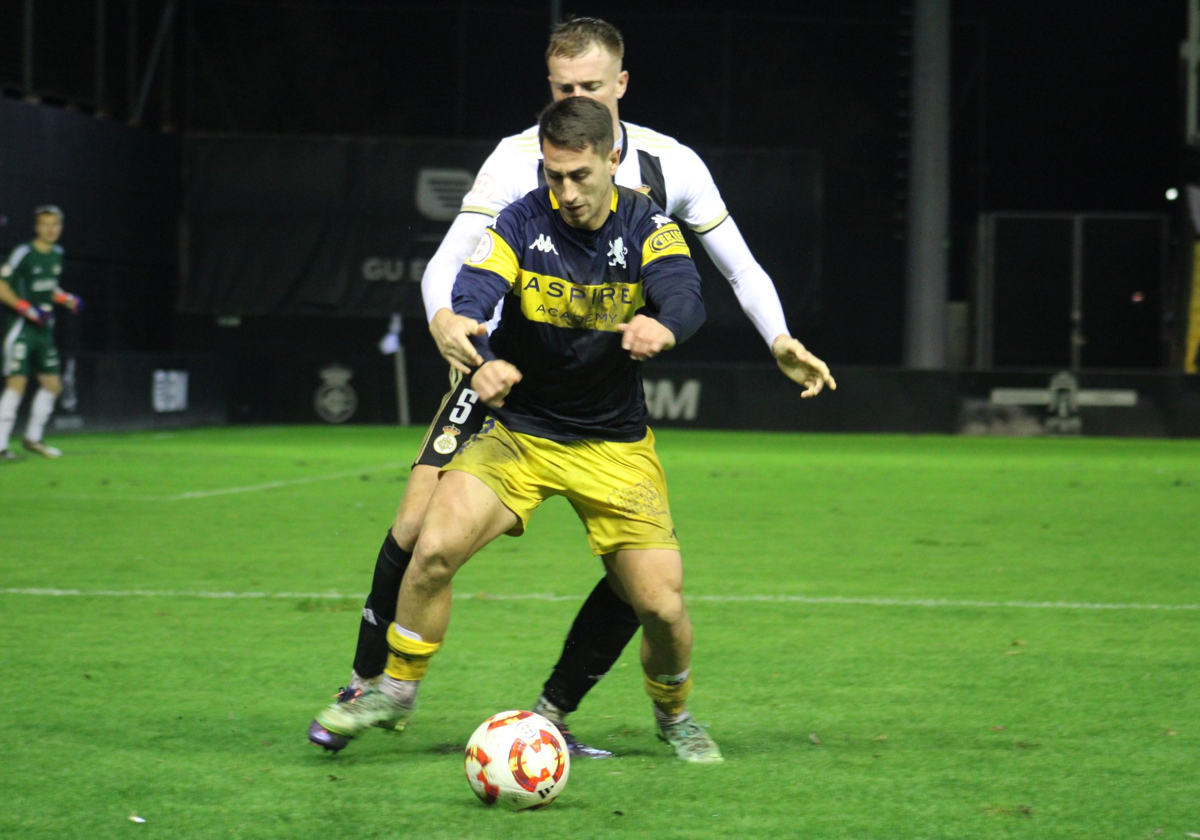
x,y
617,489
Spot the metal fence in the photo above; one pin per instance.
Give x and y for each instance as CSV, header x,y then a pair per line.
x,y
1072,290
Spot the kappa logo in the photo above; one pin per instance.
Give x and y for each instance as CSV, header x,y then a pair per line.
x,y
617,251
543,244
660,220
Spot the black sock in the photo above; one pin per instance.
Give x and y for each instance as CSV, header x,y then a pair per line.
x,y
371,655
604,626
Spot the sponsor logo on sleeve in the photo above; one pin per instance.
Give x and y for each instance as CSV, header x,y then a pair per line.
x,y
665,239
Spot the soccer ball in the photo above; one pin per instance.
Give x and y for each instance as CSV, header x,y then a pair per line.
x,y
517,760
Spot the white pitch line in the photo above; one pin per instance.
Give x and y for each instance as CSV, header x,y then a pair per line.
x,y
223,491
272,485
538,596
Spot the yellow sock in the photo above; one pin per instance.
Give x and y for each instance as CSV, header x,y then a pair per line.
x,y
407,658
670,698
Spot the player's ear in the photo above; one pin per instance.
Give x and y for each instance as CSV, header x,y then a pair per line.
x,y
622,83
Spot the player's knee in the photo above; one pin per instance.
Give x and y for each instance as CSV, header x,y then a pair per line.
x,y
663,609
406,527
436,560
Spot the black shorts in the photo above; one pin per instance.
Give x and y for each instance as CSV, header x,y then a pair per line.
x,y
460,416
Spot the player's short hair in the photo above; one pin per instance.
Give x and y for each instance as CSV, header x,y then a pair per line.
x,y
47,210
576,35
576,123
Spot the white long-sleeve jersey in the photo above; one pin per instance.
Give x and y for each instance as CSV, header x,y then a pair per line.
x,y
670,172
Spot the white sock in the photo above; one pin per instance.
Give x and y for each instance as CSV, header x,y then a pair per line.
x,y
39,413
9,403
402,691
363,682
666,719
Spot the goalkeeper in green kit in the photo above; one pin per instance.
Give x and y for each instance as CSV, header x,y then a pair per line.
x,y
28,291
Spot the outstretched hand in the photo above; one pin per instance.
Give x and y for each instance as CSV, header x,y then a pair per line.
x,y
801,366
452,334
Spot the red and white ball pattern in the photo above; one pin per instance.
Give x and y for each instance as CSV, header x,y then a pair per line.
x,y
517,760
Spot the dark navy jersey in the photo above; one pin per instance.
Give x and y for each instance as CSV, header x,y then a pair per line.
x,y
568,289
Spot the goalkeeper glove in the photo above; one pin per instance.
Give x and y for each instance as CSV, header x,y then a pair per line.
x,y
72,302
29,311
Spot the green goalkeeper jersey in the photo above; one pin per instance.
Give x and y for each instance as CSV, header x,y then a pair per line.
x,y
33,277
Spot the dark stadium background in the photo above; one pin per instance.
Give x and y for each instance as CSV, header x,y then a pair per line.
x,y
1059,107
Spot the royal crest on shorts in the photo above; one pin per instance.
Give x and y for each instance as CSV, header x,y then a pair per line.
x,y
447,441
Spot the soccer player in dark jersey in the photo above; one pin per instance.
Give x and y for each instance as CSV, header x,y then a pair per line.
x,y
596,279
584,58
29,289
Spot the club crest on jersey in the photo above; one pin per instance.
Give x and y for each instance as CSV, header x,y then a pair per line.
x,y
447,441
617,251
543,244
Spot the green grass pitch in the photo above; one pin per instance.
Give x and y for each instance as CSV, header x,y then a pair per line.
x,y
895,637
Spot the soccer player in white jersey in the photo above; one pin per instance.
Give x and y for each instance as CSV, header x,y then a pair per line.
x,y
584,58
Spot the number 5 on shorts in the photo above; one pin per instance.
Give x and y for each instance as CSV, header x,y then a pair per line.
x,y
462,410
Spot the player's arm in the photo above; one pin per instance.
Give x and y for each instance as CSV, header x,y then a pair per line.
x,y
452,333
23,307
703,209
481,283
498,184
759,300
671,286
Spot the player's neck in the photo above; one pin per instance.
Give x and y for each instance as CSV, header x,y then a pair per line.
x,y
42,246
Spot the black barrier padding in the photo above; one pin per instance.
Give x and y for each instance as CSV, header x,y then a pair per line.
x,y
273,370
116,393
